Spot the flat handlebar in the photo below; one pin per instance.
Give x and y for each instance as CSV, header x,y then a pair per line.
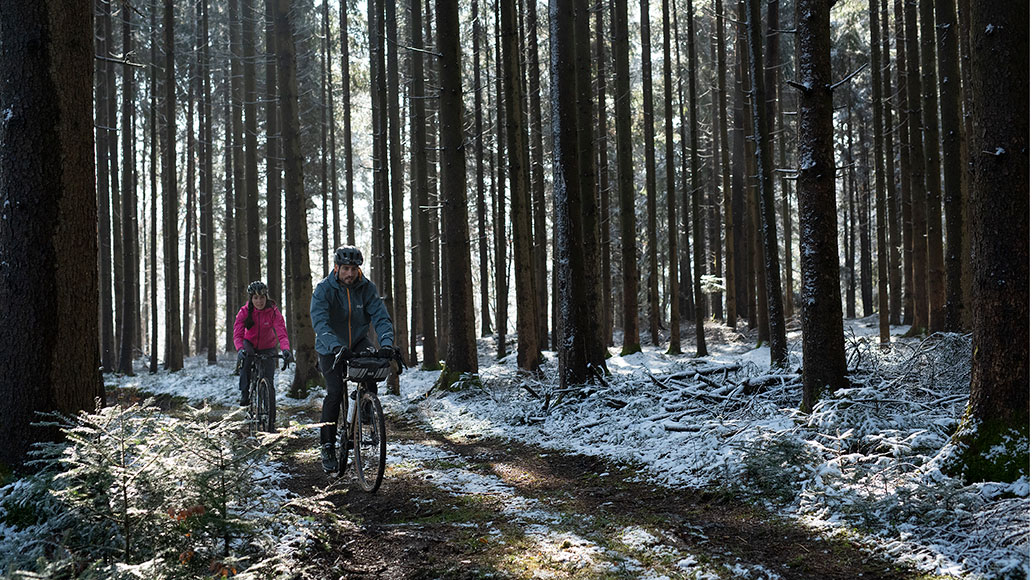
x,y
344,355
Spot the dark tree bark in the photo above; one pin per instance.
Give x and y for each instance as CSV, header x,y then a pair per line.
x,y
824,361
274,154
240,186
604,180
902,105
720,122
398,306
254,251
893,195
625,180
478,140
48,193
879,173
190,232
765,161
933,183
671,180
590,321
563,18
170,196
423,266
649,130
129,307
953,164
462,348
105,136
300,274
349,165
537,164
207,190
686,283
500,238
332,130
918,197
528,353
992,440
697,246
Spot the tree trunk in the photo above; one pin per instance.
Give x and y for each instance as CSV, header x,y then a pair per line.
x,y
564,28
419,194
992,440
649,130
528,353
765,161
349,169
933,200
500,238
105,135
604,181
129,307
625,180
274,153
207,189
462,348
300,274
902,105
953,164
254,250
824,361
879,173
892,191
170,197
478,140
537,187
671,180
720,127
240,186
398,306
49,220
918,197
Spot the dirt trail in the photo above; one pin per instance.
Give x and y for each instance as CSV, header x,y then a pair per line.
x,y
497,509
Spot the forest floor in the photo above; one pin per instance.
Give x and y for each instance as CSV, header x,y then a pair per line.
x,y
457,507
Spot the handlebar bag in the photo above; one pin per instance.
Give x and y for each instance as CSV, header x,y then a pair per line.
x,y
368,368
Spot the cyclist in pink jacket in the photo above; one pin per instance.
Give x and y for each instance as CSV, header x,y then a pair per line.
x,y
259,327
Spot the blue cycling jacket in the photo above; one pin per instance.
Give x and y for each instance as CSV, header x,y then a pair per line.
x,y
341,314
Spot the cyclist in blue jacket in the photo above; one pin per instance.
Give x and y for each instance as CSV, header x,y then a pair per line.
x,y
344,304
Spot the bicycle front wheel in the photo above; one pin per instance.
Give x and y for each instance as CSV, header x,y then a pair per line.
x,y
370,443
266,406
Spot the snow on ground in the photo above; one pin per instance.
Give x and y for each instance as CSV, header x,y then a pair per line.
x,y
865,459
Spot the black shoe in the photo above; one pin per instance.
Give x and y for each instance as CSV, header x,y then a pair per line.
x,y
245,401
329,458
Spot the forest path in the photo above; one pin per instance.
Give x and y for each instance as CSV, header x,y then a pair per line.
x,y
488,508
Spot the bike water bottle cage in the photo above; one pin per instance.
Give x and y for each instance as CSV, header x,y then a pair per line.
x,y
349,255
368,368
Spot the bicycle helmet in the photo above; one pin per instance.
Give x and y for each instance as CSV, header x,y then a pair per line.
x,y
257,287
347,255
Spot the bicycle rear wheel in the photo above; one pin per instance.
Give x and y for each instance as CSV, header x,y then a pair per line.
x,y
370,442
266,406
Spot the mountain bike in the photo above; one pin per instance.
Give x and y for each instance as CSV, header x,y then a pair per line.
x,y
261,413
360,424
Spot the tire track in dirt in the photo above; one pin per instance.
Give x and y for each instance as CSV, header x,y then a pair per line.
x,y
470,508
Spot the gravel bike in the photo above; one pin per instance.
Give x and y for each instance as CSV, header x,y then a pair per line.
x,y
360,424
261,413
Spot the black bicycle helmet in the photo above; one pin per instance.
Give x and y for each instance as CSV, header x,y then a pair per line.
x,y
349,255
257,287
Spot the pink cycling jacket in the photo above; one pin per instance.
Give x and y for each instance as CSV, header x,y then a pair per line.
x,y
268,329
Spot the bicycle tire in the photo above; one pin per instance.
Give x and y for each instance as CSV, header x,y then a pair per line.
x,y
370,442
266,417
